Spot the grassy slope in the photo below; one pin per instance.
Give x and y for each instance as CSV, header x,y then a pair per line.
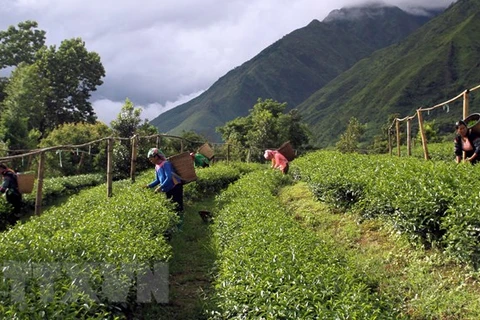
x,y
424,285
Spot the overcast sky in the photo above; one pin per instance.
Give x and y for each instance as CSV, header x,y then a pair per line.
x,y
161,53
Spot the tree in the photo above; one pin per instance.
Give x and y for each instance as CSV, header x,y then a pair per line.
x,y
126,125
26,95
349,140
73,73
84,160
265,127
20,44
23,108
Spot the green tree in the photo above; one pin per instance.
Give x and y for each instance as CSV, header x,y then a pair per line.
x,y
26,94
23,108
20,44
77,161
127,124
73,73
234,133
265,127
349,140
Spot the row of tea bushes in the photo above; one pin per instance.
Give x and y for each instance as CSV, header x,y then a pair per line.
x,y
434,202
89,257
217,177
269,267
53,188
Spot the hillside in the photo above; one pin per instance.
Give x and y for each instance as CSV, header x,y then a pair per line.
x,y
293,68
435,63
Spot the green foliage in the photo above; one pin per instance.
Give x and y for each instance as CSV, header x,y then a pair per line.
x,y
87,248
48,87
266,127
66,162
20,44
127,124
217,177
431,133
23,107
74,73
426,200
270,267
349,140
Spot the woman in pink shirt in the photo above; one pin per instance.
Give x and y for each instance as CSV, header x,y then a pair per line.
x,y
278,160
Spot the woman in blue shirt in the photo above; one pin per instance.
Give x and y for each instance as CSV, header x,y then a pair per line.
x,y
166,180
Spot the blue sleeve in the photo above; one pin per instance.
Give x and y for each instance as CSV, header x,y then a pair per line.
x,y
155,182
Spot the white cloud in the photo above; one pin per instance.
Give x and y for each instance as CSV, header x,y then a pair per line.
x,y
108,110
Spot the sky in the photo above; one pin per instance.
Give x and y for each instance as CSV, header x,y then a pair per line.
x,y
162,53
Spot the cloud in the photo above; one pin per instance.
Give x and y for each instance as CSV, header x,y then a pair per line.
x,y
159,53
108,110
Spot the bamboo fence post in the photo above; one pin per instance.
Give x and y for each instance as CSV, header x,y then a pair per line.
x,y
228,153
422,132
38,197
465,104
409,137
134,158
389,134
397,127
109,167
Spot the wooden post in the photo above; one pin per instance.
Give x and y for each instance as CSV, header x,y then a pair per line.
x,y
465,104
181,145
422,132
157,143
228,153
109,167
409,137
397,127
38,198
389,134
133,161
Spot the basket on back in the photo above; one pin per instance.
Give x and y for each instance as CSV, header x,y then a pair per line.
x,y
25,181
287,151
183,165
473,122
206,150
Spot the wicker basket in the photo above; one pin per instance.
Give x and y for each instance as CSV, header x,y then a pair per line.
x,y
183,165
287,151
25,181
206,150
474,121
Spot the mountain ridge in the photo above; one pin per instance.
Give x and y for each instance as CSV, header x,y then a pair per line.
x,y
289,70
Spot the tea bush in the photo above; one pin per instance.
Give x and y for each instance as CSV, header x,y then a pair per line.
x,y
431,201
269,267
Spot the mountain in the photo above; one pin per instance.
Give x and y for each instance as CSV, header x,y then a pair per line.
x,y
294,67
435,63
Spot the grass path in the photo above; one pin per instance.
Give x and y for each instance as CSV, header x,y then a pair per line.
x,y
190,268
